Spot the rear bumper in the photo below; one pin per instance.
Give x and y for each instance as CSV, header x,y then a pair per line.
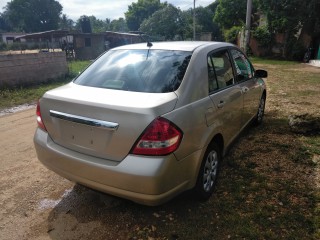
x,y
142,179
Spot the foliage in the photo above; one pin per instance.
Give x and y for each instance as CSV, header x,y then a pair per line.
x,y
230,13
98,25
4,26
295,49
263,36
141,10
167,22
188,30
231,34
66,23
204,18
213,6
33,15
289,17
284,15
118,25
3,46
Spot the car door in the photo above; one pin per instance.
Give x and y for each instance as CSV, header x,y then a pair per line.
x,y
250,89
225,94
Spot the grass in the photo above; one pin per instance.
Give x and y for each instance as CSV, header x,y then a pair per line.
x,y
30,94
258,60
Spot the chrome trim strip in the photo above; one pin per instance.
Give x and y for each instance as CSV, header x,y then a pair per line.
x,y
83,120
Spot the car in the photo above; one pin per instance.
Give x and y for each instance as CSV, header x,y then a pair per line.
x,y
148,121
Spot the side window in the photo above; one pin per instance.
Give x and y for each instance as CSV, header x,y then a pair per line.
x,y
219,70
244,70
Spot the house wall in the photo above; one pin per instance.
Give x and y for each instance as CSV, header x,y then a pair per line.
x,y
85,52
26,69
9,37
257,49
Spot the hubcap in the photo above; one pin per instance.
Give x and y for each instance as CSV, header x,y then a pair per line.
x,y
210,171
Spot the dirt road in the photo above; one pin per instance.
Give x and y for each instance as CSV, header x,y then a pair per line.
x,y
35,203
28,191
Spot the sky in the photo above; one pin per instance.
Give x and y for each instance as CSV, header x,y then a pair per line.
x,y
112,9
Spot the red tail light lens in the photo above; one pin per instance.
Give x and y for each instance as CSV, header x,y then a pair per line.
x,y
161,137
39,118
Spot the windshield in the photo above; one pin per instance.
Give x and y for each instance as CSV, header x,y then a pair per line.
x,y
154,71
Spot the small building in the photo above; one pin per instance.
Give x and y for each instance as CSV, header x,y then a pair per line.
x,y
115,39
50,39
9,37
80,46
88,46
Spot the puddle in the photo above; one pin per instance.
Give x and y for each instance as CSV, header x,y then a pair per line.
x,y
16,109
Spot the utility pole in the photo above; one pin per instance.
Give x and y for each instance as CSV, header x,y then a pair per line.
x,y
194,20
248,25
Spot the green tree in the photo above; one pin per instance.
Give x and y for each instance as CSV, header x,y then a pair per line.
x,y
143,9
4,25
289,17
230,13
204,18
118,25
33,15
97,25
167,22
213,6
283,15
204,22
66,23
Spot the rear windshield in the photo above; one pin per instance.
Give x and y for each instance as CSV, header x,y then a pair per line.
x,y
154,71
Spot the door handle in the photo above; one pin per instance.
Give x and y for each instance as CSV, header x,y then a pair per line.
x,y
221,104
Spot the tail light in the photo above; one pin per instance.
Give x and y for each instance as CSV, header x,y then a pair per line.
x,y
39,118
161,137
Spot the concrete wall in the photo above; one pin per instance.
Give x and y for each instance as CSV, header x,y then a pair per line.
x,y
96,48
25,69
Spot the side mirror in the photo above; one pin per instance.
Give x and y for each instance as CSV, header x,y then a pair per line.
x,y
261,73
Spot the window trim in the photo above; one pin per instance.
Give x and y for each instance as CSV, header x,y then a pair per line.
x,y
235,82
234,67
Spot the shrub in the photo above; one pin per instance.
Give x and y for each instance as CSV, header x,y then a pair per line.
x,y
263,36
3,46
231,34
295,50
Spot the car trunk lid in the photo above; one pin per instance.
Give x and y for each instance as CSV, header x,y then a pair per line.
x,y
101,122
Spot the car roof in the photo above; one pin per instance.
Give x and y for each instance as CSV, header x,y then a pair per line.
x,y
178,45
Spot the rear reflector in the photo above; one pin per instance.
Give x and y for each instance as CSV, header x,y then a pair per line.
x,y
161,137
39,118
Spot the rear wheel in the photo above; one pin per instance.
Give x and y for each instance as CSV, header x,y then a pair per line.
x,y
260,113
208,172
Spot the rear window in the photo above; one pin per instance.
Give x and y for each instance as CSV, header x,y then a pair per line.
x,y
154,71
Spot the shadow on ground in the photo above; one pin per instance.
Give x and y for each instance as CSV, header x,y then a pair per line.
x,y
266,191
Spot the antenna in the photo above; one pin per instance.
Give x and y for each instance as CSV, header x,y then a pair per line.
x,y
149,44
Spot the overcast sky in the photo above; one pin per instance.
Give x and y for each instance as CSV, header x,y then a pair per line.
x,y
112,9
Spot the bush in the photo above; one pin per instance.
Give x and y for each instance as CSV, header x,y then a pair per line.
x,y
295,50
14,46
231,34
3,46
263,36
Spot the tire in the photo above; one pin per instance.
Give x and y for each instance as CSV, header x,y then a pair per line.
x,y
208,173
260,113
